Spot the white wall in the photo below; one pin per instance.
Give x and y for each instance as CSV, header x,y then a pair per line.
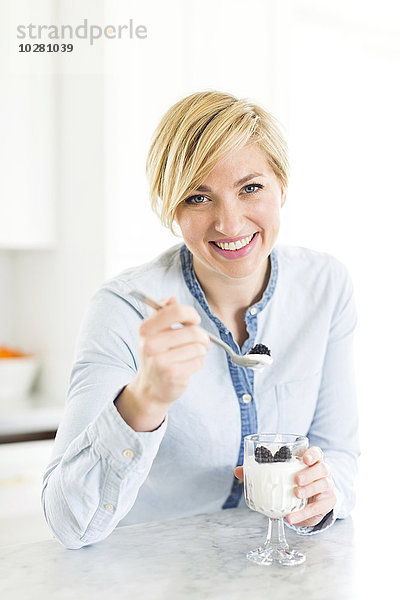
x,y
6,296
53,287
45,292
28,132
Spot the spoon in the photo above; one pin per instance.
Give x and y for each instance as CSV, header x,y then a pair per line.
x,y
251,361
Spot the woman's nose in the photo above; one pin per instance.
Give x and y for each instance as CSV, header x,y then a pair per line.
x,y
228,219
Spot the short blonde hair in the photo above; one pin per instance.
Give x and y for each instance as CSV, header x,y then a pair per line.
x,y
194,134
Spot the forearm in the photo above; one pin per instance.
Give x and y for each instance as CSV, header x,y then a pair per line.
x,y
88,490
77,514
138,409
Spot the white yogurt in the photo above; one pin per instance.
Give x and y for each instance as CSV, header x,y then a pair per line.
x,y
269,487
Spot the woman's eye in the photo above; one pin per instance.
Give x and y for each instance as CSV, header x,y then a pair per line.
x,y
253,187
198,199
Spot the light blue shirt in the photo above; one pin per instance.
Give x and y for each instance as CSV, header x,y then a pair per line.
x,y
104,474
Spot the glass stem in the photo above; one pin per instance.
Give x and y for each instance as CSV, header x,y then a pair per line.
x,y
276,533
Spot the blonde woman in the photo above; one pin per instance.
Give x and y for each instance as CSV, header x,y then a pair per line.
x,y
156,416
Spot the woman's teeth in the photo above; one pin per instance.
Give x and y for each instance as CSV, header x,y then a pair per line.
x,y
235,245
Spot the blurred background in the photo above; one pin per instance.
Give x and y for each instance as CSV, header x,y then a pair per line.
x,y
75,128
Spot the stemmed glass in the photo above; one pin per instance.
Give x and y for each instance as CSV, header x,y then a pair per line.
x,y
270,464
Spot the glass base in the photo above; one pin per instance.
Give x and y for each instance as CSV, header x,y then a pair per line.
x,y
272,555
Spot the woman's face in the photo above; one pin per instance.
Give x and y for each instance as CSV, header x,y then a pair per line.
x,y
231,224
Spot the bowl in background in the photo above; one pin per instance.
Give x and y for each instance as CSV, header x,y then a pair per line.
x,y
17,375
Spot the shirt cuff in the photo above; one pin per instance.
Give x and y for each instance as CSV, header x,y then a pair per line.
x,y
120,445
326,522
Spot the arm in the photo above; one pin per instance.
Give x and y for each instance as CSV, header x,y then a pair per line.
x,y
114,420
334,428
90,484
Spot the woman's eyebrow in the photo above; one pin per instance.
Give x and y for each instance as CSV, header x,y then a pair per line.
x,y
205,188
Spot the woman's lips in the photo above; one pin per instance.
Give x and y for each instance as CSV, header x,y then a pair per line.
x,y
234,254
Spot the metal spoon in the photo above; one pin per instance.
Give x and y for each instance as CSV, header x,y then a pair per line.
x,y
251,361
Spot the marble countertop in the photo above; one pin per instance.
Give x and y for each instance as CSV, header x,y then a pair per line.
x,y
193,557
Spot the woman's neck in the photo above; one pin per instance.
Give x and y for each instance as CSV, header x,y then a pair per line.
x,y
228,296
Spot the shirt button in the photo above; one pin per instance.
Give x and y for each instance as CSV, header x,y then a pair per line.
x,y
109,507
128,453
253,311
246,398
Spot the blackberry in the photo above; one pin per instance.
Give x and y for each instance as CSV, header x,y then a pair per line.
x,y
263,455
260,349
283,454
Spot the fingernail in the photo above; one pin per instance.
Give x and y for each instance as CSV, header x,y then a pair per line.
x,y
301,492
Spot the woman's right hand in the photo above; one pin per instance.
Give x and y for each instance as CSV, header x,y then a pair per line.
x,y
168,358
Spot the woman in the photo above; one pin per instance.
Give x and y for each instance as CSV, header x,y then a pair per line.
x,y
156,415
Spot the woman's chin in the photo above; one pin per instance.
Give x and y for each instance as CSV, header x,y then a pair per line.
x,y
239,269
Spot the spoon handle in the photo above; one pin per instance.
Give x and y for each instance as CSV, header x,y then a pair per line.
x,y
220,343
156,305
146,299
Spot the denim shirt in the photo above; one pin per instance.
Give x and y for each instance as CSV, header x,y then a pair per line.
x,y
103,473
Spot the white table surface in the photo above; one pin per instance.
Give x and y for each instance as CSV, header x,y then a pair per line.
x,y
193,557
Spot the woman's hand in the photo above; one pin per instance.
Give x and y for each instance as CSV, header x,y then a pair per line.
x,y
314,483
168,358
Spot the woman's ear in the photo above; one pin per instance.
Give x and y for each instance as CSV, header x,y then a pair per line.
x,y
283,197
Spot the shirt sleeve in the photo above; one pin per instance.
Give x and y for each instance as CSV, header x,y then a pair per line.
x,y
99,462
335,424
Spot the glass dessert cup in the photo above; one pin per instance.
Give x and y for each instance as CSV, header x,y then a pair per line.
x,y
271,462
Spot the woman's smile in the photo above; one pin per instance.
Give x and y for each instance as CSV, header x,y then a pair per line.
x,y
235,248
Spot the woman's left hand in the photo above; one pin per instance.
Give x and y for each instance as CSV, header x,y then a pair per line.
x,y
314,483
